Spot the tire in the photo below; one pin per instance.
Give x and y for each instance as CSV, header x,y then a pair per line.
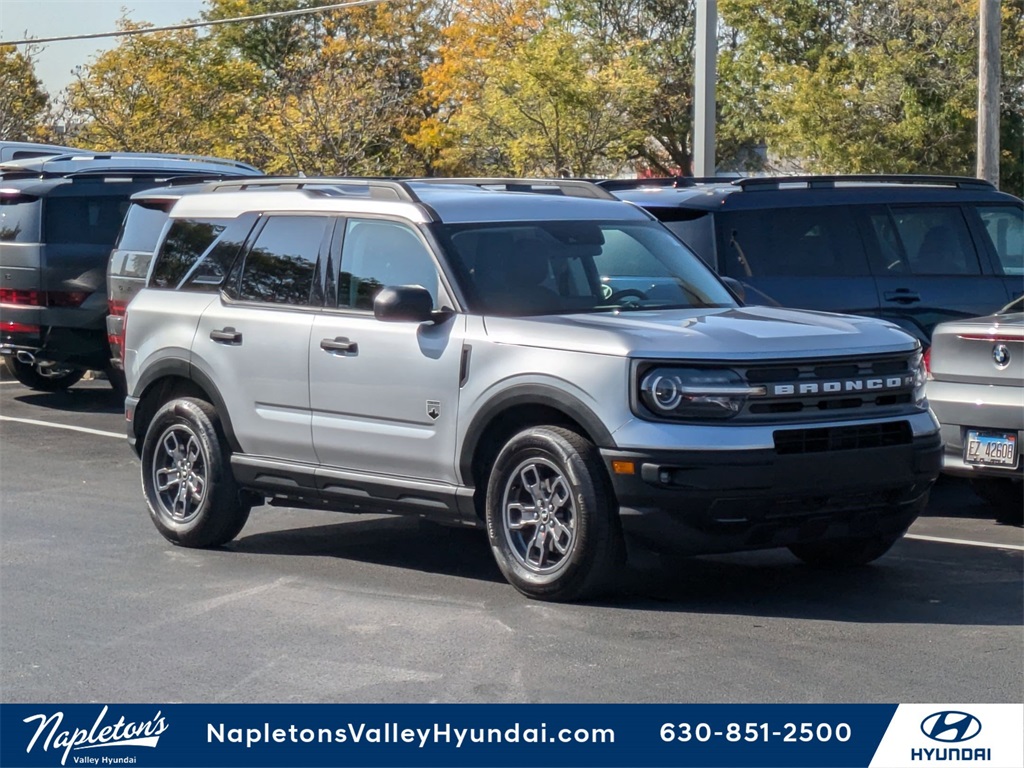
x,y
570,548
206,509
1004,494
49,378
845,553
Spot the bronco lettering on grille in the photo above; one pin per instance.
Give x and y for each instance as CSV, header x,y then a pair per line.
x,y
874,384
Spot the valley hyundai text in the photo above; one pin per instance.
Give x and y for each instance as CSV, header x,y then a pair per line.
x,y
557,368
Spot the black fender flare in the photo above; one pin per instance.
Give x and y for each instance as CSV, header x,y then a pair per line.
x,y
530,394
183,369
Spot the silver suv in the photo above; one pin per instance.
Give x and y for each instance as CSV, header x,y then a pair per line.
x,y
557,368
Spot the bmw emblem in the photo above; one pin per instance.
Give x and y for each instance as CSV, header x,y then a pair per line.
x,y
1001,355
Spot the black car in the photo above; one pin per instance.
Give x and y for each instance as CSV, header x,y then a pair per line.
x,y
59,217
915,250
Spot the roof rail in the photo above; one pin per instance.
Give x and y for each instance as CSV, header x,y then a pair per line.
x,y
170,175
375,188
92,156
665,181
566,187
829,181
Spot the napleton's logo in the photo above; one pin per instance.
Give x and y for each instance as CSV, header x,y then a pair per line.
x,y
120,734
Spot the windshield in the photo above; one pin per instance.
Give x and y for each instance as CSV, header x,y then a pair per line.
x,y
557,267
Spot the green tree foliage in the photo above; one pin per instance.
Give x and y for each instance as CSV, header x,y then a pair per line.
x,y
864,86
23,102
658,35
164,92
554,108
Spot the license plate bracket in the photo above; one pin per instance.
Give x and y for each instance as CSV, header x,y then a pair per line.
x,y
990,449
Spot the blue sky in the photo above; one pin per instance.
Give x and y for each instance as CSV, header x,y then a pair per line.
x,y
50,18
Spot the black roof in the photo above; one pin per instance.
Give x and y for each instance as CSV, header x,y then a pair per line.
x,y
803,191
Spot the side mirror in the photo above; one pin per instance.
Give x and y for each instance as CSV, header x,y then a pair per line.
x,y
736,288
403,304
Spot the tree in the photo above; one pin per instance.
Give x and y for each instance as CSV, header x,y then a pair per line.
x,y
23,101
481,37
659,36
556,109
866,85
165,92
349,103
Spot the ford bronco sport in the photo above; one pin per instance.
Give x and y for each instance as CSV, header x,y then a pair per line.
x,y
557,369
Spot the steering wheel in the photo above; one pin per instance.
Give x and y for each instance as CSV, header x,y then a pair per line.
x,y
617,297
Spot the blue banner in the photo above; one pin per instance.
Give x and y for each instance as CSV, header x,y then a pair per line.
x,y
563,735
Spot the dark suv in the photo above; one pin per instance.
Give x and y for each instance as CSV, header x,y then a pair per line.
x,y
915,250
59,217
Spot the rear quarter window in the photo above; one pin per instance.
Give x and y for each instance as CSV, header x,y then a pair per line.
x,y
186,242
19,219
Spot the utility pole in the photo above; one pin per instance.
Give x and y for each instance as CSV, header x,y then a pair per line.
x,y
988,91
705,74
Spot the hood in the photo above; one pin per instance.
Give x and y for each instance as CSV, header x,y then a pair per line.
x,y
740,333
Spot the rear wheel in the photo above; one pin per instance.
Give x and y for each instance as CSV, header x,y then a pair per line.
x,y
845,553
1003,493
192,496
551,521
42,377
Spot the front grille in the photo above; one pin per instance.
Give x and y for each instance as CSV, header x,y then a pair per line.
x,y
808,390
828,439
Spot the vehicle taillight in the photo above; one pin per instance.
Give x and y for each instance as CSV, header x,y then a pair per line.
x,y
927,360
9,326
29,298
25,298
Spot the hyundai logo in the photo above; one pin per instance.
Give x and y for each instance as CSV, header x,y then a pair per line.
x,y
951,726
1001,355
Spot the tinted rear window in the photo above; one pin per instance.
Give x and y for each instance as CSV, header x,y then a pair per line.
x,y
85,220
141,228
19,219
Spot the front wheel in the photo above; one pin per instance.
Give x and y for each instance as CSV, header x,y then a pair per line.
x,y
845,553
551,518
192,496
41,377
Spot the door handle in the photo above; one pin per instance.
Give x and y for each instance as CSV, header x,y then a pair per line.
x,y
339,344
227,336
902,296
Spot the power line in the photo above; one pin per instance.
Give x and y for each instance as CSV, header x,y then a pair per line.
x,y
196,24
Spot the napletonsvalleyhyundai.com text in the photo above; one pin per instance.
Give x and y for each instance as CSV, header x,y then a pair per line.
x,y
394,733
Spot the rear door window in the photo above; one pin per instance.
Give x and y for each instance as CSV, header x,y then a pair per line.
x,y
281,266
926,241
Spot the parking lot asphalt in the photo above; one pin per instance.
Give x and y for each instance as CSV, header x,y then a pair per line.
x,y
322,607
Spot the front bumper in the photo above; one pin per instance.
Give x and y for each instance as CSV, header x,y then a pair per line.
x,y
704,502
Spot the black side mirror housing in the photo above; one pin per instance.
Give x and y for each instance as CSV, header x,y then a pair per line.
x,y
403,304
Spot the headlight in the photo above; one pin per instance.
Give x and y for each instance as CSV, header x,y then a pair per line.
x,y
693,393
